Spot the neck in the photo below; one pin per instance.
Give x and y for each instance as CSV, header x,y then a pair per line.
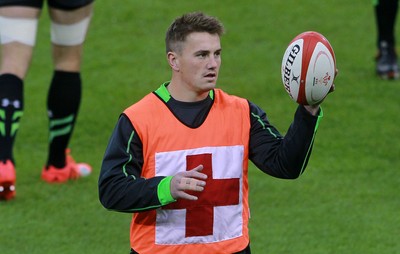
x,y
179,93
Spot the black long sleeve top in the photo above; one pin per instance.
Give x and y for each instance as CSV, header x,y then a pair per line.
x,y
122,188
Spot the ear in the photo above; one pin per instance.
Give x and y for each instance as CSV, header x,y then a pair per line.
x,y
173,60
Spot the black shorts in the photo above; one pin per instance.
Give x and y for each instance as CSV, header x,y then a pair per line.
x,y
57,4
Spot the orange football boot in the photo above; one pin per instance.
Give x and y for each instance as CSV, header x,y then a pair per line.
x,y
72,170
7,180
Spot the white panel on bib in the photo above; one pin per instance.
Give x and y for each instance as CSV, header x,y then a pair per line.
x,y
227,223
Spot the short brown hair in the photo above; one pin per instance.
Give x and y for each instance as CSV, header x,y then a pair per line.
x,y
187,24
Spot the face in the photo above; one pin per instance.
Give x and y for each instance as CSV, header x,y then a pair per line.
x,y
197,65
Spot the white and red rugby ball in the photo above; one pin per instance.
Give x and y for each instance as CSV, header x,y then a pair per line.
x,y
308,68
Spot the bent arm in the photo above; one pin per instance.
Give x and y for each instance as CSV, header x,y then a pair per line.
x,y
121,186
282,156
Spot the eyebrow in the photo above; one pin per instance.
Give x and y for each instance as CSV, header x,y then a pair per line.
x,y
206,51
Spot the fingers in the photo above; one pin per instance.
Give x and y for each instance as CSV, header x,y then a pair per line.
x,y
333,85
188,181
184,195
332,88
195,173
191,184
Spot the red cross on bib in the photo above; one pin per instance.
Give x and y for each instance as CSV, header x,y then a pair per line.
x,y
217,215
217,192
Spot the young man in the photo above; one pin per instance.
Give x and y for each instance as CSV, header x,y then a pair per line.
x,y
178,158
18,26
385,17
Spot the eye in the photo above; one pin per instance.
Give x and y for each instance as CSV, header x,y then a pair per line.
x,y
202,54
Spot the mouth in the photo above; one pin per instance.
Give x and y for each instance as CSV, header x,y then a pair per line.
x,y
211,75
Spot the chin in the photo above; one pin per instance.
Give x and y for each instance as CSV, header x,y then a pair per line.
x,y
210,85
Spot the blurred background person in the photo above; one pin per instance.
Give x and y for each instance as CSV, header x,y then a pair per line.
x,y
18,26
386,60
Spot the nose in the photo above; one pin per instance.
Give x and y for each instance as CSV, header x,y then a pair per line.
x,y
213,63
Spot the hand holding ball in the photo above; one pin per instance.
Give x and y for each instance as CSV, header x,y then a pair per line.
x,y
308,68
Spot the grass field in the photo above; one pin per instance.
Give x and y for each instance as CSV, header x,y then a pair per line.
x,y
346,202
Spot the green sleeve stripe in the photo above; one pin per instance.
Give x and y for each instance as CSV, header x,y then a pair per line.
x,y
163,188
259,120
164,191
130,155
263,125
321,114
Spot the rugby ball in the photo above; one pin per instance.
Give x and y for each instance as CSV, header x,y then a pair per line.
x,y
308,68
